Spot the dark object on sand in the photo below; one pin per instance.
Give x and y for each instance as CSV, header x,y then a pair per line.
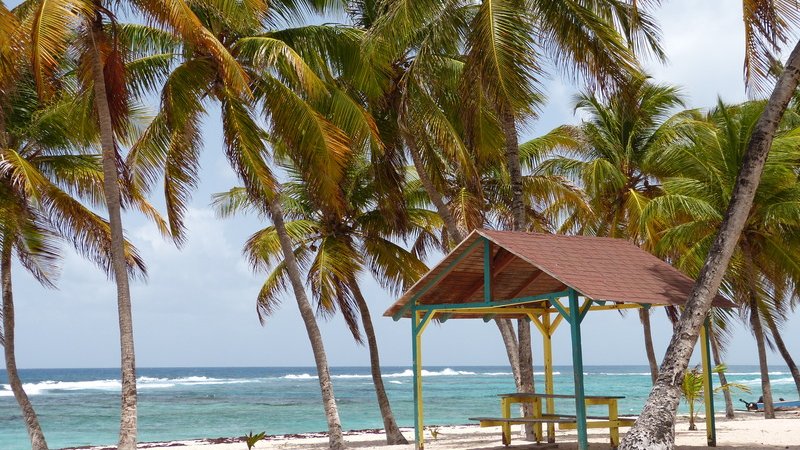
x,y
781,405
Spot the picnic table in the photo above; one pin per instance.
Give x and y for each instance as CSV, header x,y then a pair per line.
x,y
565,421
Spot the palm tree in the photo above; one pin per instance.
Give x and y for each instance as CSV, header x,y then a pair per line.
x,y
616,157
504,42
289,84
90,28
693,207
38,171
334,249
766,30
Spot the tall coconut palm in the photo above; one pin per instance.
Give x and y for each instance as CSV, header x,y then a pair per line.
x,y
89,28
333,250
695,201
290,88
767,25
504,41
38,171
616,157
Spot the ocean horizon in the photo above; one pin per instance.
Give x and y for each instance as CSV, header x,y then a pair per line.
x,y
80,407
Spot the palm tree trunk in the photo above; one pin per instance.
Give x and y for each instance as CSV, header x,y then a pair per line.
x,y
758,333
514,170
393,434
128,417
655,426
723,380
518,224
525,370
436,198
776,336
335,437
644,317
512,347
28,414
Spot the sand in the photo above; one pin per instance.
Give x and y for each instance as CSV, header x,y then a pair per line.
x,y
746,431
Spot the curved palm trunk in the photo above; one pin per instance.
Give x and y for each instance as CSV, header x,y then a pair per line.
x,y
504,325
506,329
436,198
723,380
525,370
654,429
335,437
776,336
128,416
28,414
393,434
644,317
758,333
518,224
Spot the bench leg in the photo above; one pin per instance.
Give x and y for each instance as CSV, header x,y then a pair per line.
x,y
506,435
537,411
505,405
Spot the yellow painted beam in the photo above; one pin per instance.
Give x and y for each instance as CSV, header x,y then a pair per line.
x,y
420,425
547,347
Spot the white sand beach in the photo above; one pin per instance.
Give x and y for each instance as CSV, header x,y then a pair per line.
x,y
747,431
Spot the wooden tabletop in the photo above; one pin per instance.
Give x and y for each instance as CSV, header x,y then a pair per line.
x,y
532,395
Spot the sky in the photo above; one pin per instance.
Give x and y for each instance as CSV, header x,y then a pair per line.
x,y
197,307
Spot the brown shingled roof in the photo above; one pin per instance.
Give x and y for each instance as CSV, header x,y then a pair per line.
x,y
530,264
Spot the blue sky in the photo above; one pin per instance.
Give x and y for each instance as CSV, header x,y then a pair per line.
x,y
198,306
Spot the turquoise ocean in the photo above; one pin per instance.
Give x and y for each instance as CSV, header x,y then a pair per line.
x,y
79,407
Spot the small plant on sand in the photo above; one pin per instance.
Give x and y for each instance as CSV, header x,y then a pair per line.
x,y
693,390
251,439
434,431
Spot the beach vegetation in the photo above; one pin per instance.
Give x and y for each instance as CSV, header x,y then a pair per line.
x,y
693,388
252,439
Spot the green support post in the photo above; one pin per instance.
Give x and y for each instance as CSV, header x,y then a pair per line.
x,y
577,369
418,325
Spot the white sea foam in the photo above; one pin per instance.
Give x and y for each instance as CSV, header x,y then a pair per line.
x,y
757,381
115,385
395,382
755,373
302,376
448,372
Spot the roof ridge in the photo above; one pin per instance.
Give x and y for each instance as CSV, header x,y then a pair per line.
x,y
554,235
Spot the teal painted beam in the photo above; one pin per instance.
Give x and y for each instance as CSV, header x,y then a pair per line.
x,y
510,302
577,369
584,311
412,302
561,310
487,270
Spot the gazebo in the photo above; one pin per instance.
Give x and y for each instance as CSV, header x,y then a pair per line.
x,y
546,279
